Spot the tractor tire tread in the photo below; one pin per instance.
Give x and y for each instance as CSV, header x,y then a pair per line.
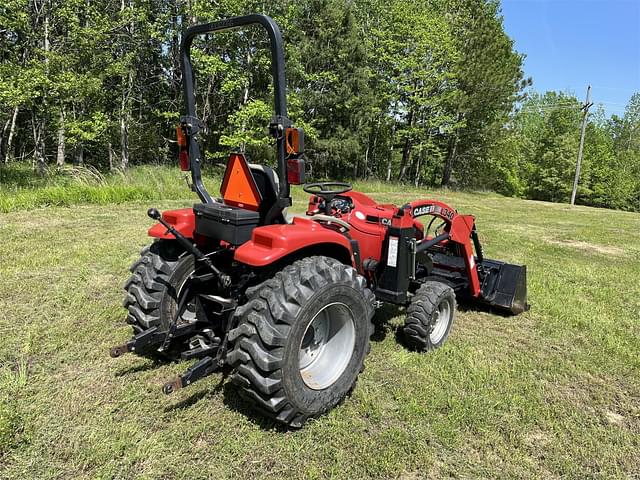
x,y
417,327
146,286
263,324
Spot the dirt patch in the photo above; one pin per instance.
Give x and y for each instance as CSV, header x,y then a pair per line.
x,y
614,418
614,401
587,247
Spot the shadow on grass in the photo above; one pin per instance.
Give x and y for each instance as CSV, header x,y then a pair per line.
x,y
466,305
381,321
149,364
199,395
233,401
231,396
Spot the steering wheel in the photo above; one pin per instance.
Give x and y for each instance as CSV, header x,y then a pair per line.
x,y
327,190
435,232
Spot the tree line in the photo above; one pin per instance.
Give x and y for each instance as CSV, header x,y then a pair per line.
x,y
430,92
536,155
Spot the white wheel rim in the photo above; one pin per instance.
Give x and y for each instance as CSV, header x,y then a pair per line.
x,y
327,346
442,317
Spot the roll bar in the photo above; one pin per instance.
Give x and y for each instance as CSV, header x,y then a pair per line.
x,y
280,120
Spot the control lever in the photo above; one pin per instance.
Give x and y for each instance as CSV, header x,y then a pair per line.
x,y
224,280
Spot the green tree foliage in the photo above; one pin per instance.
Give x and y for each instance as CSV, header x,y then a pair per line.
x,y
419,91
536,156
490,79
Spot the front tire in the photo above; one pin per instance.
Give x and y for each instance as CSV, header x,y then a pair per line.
x,y
430,316
300,341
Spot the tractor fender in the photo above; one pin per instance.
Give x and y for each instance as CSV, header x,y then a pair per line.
x,y
271,243
183,220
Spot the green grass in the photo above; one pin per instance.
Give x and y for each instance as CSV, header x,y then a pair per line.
x,y
554,392
20,189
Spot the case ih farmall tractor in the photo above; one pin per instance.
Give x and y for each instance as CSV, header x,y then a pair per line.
x,y
285,305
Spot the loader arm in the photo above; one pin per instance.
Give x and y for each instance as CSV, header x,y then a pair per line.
x,y
458,229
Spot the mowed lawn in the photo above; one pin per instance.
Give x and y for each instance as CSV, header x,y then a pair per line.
x,y
554,392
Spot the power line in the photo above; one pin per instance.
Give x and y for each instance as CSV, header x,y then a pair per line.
x,y
618,88
612,103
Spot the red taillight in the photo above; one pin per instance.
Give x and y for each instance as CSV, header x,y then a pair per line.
x,y
295,171
184,160
183,156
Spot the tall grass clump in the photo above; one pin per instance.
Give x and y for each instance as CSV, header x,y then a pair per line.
x,y
21,189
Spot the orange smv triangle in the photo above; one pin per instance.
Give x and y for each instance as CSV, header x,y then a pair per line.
x,y
238,186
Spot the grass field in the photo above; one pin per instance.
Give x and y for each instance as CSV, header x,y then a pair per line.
x,y
554,392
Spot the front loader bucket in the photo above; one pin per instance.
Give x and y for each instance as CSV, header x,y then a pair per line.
x,y
504,286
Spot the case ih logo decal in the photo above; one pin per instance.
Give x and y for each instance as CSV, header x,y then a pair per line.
x,y
434,210
419,211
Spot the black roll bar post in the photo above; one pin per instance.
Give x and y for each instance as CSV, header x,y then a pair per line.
x,y
280,121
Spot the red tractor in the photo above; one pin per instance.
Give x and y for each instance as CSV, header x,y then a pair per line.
x,y
286,305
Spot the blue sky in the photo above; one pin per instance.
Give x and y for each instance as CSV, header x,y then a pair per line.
x,y
572,43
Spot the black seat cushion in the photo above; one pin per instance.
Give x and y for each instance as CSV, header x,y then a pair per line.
x,y
267,183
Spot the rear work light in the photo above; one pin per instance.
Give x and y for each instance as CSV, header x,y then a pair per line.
x,y
183,155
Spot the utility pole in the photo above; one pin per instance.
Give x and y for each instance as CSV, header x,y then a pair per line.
x,y
585,114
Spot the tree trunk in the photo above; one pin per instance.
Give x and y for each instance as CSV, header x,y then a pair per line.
x,y
406,155
124,124
355,168
125,113
110,150
245,99
371,160
12,129
448,166
207,104
124,142
366,160
39,159
416,181
390,160
78,155
40,126
61,141
2,144
406,150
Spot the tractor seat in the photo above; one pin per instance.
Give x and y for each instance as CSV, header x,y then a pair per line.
x,y
266,179
268,185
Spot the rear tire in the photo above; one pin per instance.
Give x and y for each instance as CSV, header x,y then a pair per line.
x,y
430,316
149,285
300,341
